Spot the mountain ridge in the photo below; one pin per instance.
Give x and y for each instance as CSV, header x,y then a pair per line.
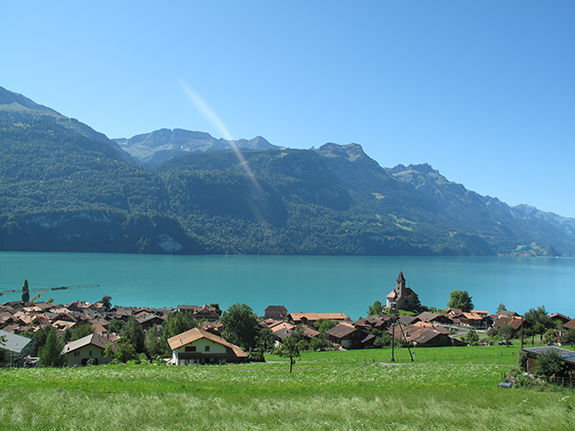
x,y
67,187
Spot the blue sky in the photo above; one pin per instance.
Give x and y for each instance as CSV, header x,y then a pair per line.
x,y
484,91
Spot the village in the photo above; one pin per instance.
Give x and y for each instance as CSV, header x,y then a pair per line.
x,y
84,333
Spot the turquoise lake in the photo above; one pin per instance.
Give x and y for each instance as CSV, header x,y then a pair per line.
x,y
301,283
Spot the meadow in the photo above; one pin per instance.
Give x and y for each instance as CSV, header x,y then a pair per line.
x,y
446,388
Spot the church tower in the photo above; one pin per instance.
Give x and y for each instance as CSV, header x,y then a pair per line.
x,y
400,285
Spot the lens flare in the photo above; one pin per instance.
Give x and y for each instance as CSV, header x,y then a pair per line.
x,y
204,109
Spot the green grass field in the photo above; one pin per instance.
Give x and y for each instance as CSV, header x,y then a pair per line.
x,y
445,389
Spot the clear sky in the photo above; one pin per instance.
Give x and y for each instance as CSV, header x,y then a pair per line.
x,y
482,90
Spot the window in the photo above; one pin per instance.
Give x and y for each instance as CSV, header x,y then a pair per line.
x,y
207,348
190,348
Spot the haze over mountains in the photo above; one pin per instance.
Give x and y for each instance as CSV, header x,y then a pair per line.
x,y
66,187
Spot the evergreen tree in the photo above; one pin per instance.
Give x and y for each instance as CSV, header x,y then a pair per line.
x,y
25,292
50,352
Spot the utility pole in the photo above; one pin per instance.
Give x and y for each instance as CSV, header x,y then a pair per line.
x,y
393,319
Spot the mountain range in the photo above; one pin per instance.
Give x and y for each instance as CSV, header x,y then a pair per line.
x,y
66,187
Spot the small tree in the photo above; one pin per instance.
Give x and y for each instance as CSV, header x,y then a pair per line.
x,y
123,351
50,352
501,307
506,332
550,336
460,299
154,346
265,340
25,292
107,302
291,349
375,309
472,338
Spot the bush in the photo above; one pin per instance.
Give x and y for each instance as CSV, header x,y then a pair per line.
x,y
550,365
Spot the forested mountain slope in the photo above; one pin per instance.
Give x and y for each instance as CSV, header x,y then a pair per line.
x,y
66,187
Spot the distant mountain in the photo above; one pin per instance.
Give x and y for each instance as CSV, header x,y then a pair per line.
x,y
66,187
161,145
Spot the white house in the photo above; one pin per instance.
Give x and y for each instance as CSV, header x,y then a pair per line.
x,y
201,347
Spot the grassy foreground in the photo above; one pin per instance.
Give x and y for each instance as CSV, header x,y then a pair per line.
x,y
447,388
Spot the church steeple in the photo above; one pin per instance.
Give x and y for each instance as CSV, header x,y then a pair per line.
x,y
400,284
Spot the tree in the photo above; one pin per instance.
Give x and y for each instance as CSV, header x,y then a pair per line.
x,y
133,333
550,336
472,338
501,307
2,340
123,351
50,352
154,346
538,322
240,326
106,302
290,348
375,309
177,323
265,340
79,331
324,325
116,326
461,300
25,292
506,332
568,337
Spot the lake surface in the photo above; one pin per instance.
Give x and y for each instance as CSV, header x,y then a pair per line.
x,y
301,283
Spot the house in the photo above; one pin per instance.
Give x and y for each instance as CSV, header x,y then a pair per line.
x,y
311,318
516,323
429,337
347,335
533,353
426,316
201,347
13,349
205,312
471,319
558,317
569,325
401,298
149,320
276,312
90,347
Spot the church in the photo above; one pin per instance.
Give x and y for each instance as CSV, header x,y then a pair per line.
x,y
402,298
